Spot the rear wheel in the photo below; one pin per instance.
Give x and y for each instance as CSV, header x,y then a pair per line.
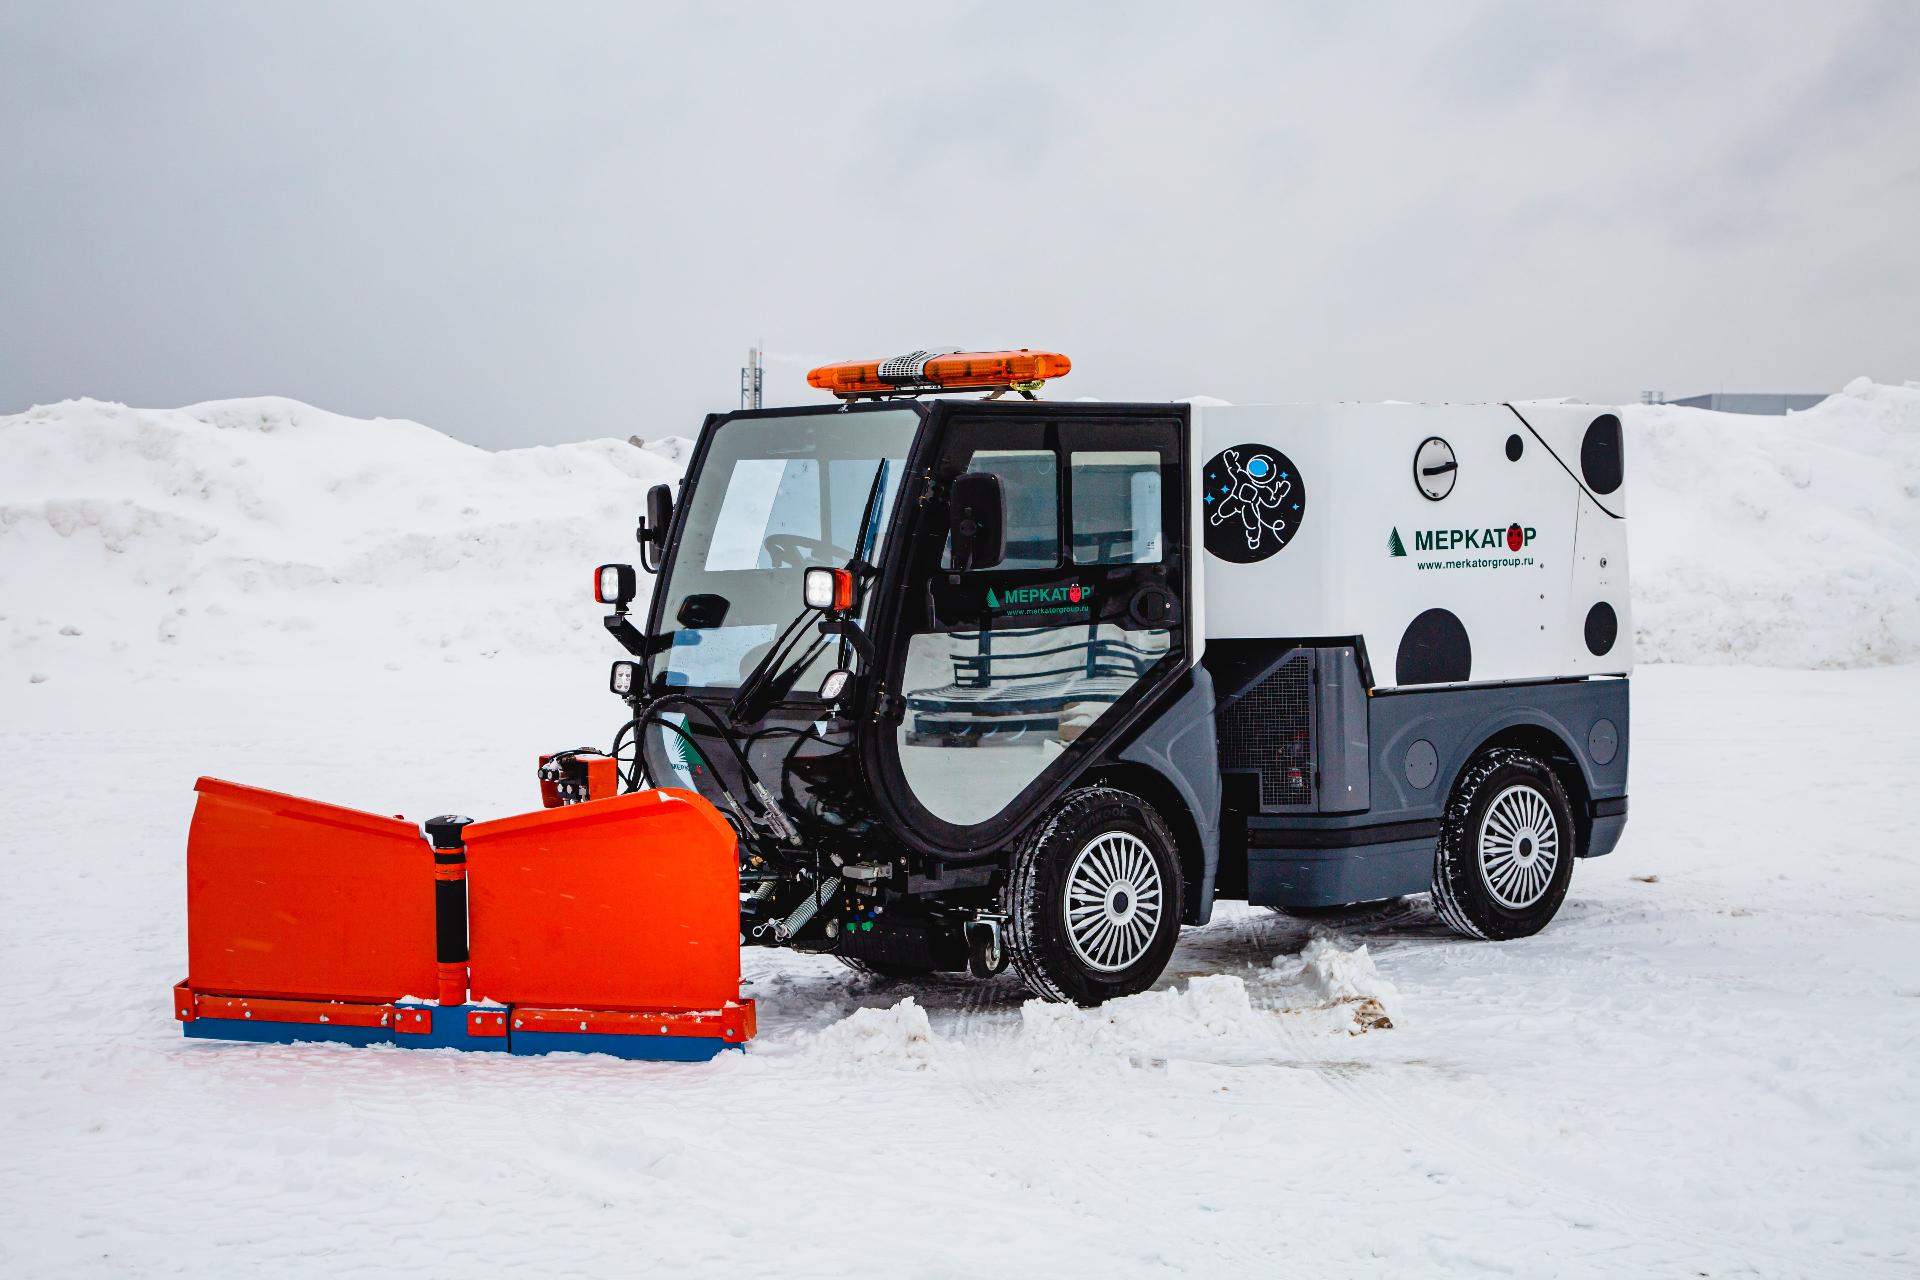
x,y
1506,848
1094,901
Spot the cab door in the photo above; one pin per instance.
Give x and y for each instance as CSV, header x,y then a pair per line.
x,y
1009,680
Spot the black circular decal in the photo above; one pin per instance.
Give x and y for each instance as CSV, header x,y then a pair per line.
x,y
1603,628
1601,460
1515,447
1434,650
1255,500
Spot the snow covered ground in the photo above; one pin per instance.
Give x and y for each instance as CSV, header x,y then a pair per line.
x,y
1705,1066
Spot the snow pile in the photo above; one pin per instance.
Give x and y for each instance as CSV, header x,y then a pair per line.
x,y
1788,541
1150,1024
265,530
898,1037
1342,981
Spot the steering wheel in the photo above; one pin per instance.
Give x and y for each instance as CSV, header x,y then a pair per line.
x,y
793,551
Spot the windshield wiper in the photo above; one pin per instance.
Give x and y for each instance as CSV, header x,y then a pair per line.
x,y
870,520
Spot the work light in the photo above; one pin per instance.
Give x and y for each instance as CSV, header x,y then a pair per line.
x,y
827,589
620,679
614,584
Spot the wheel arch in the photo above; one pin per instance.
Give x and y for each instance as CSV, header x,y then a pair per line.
x,y
1190,850
1550,744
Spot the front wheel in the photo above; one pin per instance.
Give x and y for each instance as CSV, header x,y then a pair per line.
x,y
1506,848
1094,901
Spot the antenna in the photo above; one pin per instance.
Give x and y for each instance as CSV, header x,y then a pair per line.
x,y
751,375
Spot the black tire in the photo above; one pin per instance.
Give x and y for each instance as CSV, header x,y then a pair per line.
x,y
1098,835
986,953
1496,880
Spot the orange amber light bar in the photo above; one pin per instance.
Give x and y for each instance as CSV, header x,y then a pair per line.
x,y
971,369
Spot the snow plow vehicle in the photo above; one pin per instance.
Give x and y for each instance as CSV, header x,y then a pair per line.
x,y
937,681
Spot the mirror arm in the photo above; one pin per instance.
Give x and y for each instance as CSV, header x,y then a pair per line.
x,y
851,631
644,536
632,639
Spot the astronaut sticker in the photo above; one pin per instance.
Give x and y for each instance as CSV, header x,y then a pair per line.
x,y
1254,499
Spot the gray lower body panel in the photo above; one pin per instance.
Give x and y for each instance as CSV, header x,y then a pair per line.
x,y
1330,877
1417,743
1606,834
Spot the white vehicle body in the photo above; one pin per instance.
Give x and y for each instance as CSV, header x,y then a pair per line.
x,y
1367,552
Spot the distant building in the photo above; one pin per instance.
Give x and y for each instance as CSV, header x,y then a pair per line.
x,y
1749,402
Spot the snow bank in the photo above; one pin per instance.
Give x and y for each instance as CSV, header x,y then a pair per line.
x,y
1208,1008
1788,541
265,531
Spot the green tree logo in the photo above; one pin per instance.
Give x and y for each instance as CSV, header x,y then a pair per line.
x,y
686,757
1395,547
993,601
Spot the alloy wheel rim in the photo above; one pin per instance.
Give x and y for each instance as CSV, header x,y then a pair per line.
x,y
1519,846
1114,898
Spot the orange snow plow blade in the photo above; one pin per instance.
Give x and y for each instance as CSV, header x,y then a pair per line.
x,y
610,926
631,903
295,898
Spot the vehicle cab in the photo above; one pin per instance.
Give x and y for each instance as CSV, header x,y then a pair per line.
x,y
943,663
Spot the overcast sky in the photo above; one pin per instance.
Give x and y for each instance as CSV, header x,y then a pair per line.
x,y
547,222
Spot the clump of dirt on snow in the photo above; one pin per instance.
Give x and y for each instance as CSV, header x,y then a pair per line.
x,y
899,1036
1345,982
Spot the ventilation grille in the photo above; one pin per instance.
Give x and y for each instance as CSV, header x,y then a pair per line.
x,y
1269,731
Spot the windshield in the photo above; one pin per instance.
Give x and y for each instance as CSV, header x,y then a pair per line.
x,y
773,497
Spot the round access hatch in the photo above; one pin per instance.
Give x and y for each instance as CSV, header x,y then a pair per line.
x,y
1434,468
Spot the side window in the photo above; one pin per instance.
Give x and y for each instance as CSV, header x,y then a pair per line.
x,y
1030,486
1116,507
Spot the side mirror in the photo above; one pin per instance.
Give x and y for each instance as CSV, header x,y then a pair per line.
x,y
653,528
977,518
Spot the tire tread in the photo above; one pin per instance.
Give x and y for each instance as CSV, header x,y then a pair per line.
x,y
1026,912
1455,867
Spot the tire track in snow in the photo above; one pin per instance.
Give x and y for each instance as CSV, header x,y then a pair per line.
x,y
1362,1085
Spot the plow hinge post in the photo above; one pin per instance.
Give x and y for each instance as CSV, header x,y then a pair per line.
x,y
447,835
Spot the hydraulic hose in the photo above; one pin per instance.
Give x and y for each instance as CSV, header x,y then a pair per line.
x,y
654,713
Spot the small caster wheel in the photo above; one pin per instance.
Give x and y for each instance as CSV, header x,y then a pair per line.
x,y
986,953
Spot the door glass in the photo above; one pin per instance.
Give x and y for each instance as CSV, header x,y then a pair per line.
x,y
988,710
1030,490
1116,507
1016,662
